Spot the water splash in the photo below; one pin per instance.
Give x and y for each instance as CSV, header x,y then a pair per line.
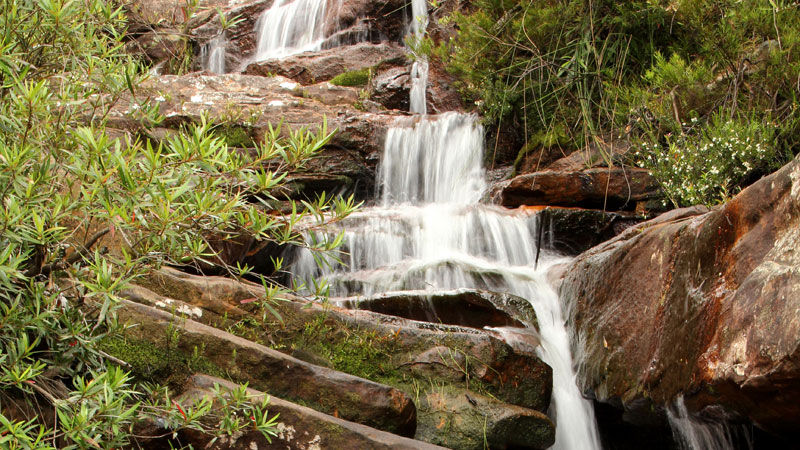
x,y
692,433
290,27
212,54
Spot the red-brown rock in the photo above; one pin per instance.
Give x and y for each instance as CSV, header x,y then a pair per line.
x,y
310,68
604,188
700,303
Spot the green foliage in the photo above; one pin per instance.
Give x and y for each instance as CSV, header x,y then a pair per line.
x,y
352,78
598,70
709,165
86,211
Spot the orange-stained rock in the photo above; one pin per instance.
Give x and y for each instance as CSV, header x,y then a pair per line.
x,y
604,188
700,303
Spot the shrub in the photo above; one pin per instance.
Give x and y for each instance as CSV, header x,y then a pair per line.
x,y
626,69
708,165
69,187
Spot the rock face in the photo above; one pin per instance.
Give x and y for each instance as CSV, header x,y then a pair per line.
x,y
463,307
602,188
346,396
247,105
700,303
505,379
311,68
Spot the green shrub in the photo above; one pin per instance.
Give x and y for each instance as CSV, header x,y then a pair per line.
x,y
709,165
84,213
590,70
352,78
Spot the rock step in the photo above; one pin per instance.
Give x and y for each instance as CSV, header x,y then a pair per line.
x,y
327,390
465,307
601,188
300,428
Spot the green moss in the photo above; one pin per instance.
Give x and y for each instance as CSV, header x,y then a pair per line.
x,y
237,136
352,78
150,362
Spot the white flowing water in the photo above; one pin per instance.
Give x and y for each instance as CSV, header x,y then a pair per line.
x,y
419,70
289,27
432,234
692,433
212,54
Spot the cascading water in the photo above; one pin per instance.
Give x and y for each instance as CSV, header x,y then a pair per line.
x,y
694,434
440,238
289,27
212,54
431,233
419,70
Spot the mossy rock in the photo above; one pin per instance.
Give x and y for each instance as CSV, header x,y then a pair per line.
x,y
352,78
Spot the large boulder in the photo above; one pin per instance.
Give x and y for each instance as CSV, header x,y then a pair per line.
x,y
698,303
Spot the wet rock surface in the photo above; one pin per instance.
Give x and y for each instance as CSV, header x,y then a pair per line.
x,y
463,307
700,303
311,68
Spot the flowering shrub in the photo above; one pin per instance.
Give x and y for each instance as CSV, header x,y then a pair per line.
x,y
709,166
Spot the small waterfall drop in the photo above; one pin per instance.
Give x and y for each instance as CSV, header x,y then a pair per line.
x,y
692,433
212,54
289,27
449,176
419,70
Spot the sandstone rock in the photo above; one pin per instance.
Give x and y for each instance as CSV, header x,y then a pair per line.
x,y
441,95
311,68
475,420
349,397
571,231
247,105
391,88
609,189
464,307
513,375
700,303
300,428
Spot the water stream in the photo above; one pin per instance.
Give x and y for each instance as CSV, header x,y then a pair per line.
x,y
289,27
431,233
212,54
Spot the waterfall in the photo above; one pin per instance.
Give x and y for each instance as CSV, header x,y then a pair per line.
x,y
419,70
450,176
431,233
290,27
212,54
692,433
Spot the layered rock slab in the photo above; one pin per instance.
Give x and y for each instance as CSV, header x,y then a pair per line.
x,y
597,188
299,427
700,303
349,397
419,358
